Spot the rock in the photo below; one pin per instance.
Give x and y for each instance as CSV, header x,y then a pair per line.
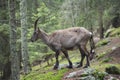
x,y
86,74
81,73
89,70
114,47
71,75
90,77
111,77
61,66
96,39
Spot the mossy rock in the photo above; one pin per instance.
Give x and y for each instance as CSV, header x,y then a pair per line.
x,y
88,74
99,75
112,70
90,77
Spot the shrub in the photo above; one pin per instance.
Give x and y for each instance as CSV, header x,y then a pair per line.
x,y
112,70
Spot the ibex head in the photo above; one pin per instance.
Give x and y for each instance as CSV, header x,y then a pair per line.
x,y
36,32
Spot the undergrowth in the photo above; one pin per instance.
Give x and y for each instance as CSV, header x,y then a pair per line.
x,y
46,72
45,75
99,56
102,43
113,32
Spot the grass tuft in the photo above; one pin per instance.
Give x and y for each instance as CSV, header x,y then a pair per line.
x,y
102,43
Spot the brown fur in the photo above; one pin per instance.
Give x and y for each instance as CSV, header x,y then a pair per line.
x,y
66,39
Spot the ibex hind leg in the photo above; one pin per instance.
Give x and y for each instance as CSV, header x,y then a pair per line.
x,y
57,61
67,56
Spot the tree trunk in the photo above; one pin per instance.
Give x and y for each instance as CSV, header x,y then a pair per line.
x,y
24,25
101,22
73,15
7,71
14,56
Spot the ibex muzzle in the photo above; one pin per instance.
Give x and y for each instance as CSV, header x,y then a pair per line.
x,y
35,36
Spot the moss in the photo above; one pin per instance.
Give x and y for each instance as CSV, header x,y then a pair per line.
x,y
113,32
45,75
101,55
102,42
108,32
106,60
99,75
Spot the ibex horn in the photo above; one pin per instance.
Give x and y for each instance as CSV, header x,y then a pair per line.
x,y
35,25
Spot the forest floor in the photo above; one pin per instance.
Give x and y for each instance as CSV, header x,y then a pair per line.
x,y
111,57
106,55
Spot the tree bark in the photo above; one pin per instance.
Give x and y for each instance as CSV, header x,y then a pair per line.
x,y
24,26
13,56
101,22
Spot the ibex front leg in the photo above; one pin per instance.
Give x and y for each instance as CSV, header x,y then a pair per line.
x,y
87,56
84,53
82,56
57,61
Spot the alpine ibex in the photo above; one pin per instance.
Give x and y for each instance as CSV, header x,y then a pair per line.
x,y
67,39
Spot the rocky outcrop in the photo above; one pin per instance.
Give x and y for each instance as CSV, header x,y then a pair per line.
x,y
86,74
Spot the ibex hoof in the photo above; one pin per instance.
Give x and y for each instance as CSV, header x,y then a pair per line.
x,y
69,67
85,66
55,67
79,66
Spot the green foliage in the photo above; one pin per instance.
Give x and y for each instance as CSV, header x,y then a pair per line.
x,y
36,49
106,60
92,74
4,43
48,22
109,31
99,75
48,18
101,55
113,32
49,75
3,59
102,42
4,29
